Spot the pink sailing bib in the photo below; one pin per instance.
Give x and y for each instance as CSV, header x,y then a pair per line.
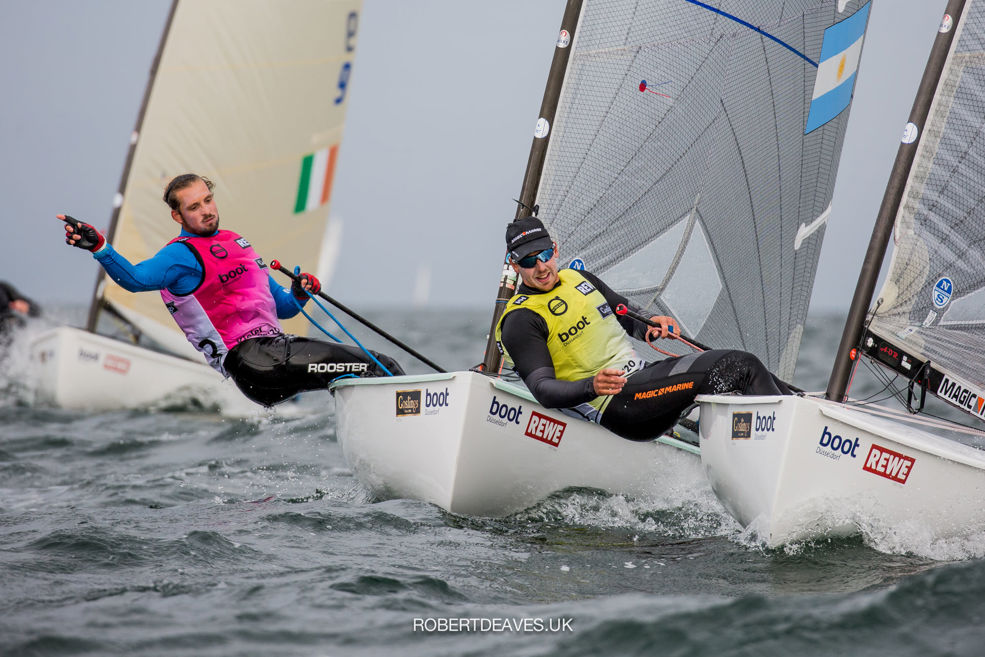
x,y
233,301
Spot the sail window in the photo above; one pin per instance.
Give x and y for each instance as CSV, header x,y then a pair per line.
x,y
694,283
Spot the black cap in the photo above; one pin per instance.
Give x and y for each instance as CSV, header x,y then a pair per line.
x,y
525,236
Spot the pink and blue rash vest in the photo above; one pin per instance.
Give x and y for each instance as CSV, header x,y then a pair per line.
x,y
233,301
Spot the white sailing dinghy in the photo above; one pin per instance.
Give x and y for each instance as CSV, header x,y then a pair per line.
x,y
794,468
253,96
659,164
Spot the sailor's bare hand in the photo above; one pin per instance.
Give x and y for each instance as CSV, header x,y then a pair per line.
x,y
667,325
609,382
20,306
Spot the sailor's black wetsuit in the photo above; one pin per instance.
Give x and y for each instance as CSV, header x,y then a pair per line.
x,y
536,334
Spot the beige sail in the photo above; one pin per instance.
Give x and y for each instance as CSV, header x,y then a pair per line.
x,y
251,94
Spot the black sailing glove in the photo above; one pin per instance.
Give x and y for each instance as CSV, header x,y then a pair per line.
x,y
314,286
81,235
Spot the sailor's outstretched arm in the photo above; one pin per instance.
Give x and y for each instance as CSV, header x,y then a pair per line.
x,y
174,267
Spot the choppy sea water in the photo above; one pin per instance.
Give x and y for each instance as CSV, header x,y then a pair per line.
x,y
183,532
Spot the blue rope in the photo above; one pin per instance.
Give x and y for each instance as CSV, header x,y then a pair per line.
x,y
366,351
312,319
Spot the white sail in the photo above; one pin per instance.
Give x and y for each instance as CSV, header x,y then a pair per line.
x,y
251,94
932,305
693,157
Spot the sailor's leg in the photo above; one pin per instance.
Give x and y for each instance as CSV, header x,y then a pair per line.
x,y
271,369
650,402
742,372
319,363
655,397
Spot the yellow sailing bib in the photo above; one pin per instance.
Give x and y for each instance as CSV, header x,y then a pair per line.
x,y
583,334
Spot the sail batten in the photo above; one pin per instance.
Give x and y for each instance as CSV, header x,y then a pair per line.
x,y
681,110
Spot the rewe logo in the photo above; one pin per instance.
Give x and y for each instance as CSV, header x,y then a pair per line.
x,y
889,464
503,414
833,445
117,364
545,429
573,331
230,275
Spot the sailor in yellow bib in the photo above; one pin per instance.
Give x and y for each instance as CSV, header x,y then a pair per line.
x,y
574,353
583,334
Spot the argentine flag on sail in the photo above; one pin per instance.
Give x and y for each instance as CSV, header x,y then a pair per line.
x,y
315,185
841,48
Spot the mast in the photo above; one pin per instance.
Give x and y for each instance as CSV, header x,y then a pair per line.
x,y
535,165
883,229
96,305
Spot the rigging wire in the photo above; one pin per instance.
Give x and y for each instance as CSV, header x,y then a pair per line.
x,y
898,393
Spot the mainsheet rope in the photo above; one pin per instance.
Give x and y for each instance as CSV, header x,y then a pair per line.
x,y
676,337
297,272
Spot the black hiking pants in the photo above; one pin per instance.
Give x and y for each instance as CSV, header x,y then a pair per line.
x,y
271,369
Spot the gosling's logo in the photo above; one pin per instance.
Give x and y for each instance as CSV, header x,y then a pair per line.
x,y
261,263
604,310
741,426
557,306
408,402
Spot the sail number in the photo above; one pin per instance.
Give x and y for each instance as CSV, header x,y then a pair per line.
x,y
889,355
351,26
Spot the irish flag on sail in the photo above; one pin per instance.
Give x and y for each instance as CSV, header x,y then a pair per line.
x,y
315,185
841,48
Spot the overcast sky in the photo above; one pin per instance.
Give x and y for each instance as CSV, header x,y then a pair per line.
x,y
444,98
